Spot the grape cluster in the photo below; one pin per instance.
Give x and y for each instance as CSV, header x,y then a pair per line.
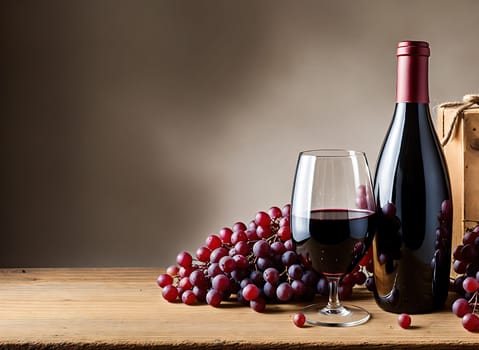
x,y
466,256
467,308
255,264
466,264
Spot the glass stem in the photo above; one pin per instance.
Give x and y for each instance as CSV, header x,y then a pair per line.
x,y
333,302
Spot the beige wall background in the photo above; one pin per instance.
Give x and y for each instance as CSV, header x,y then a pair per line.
x,y
131,130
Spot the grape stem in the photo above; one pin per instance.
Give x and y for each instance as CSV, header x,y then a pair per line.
x,y
474,302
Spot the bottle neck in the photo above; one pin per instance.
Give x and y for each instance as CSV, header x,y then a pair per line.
x,y
412,79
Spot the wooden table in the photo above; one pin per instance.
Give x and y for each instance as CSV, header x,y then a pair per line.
x,y
103,308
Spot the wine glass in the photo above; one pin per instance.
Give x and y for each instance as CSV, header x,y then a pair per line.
x,y
333,223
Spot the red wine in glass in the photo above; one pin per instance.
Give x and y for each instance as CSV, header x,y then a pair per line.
x,y
334,239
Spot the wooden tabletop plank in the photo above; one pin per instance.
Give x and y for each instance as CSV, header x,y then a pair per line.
x,y
122,307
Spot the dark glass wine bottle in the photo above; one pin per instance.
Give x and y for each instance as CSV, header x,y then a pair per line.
x,y
412,247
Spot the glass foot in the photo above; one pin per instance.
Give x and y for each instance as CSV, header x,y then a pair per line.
x,y
343,316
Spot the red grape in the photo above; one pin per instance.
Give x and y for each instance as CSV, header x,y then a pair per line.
x,y
185,283
469,252
460,266
275,213
172,270
469,237
188,297
457,252
227,264
271,275
299,319
185,271
262,219
310,278
241,261
238,275
284,221
261,249
245,281
203,254
263,231
198,278
217,254
170,293
250,292
470,322
239,226
251,234
269,290
264,263
289,258
214,270
225,235
460,307
299,288
213,242
257,277
289,245
370,284
199,293
389,210
238,236
470,284
213,298
258,304
164,280
404,321
284,292
286,210
295,271
278,248
284,233
220,282
184,259
446,209
242,248
322,286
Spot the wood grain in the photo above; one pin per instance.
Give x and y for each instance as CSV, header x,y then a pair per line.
x,y
105,308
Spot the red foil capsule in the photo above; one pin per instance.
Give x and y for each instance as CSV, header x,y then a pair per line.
x,y
412,72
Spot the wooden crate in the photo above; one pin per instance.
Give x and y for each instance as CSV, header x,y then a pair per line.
x,y
461,150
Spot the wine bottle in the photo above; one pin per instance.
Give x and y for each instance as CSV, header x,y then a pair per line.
x,y
412,247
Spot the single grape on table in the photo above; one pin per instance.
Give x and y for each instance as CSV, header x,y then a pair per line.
x,y
404,321
299,319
